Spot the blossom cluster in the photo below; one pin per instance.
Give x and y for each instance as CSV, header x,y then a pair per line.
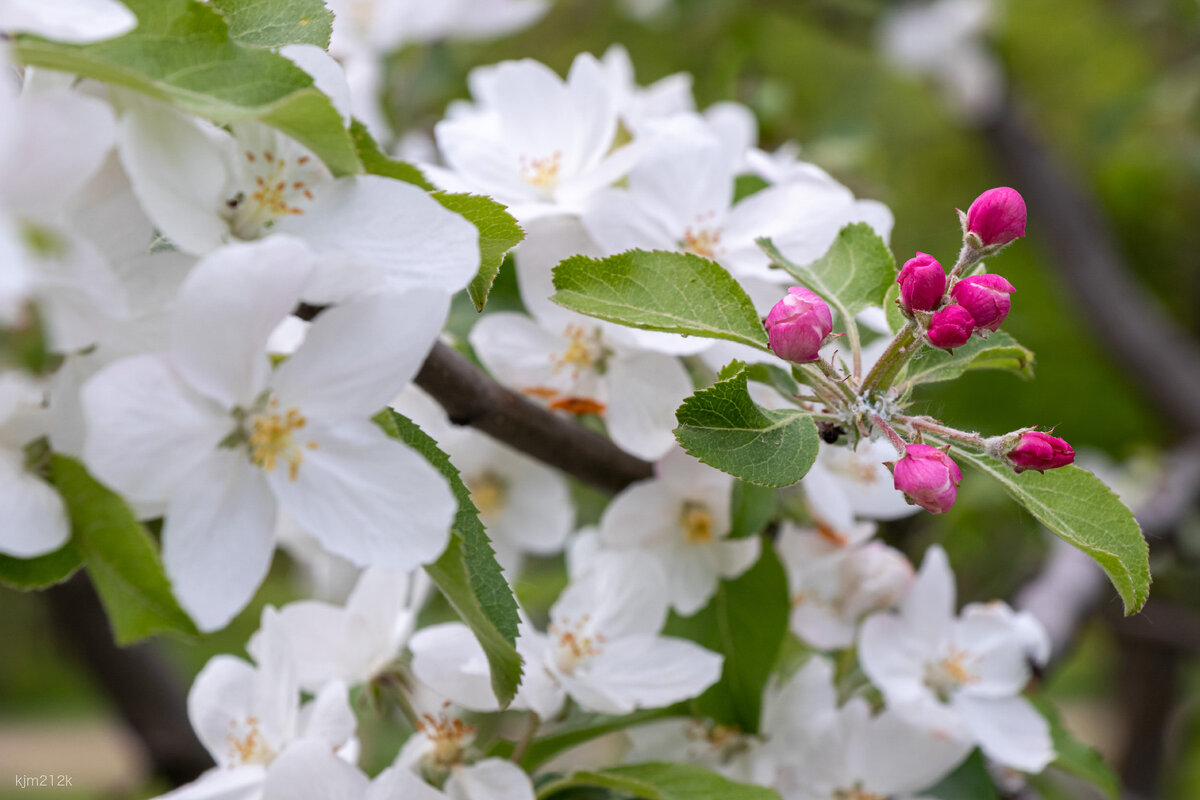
x,y
177,268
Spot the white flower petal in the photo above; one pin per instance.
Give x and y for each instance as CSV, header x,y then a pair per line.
x,y
329,719
368,498
178,173
358,356
387,225
74,21
60,140
646,388
227,308
35,521
650,672
398,783
310,771
1009,730
451,661
219,537
892,658
490,779
146,429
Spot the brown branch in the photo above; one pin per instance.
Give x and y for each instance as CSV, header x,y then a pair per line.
x,y
139,682
472,398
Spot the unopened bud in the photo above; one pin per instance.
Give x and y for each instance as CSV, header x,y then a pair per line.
x,y
951,327
798,324
928,477
986,297
1040,451
997,217
922,283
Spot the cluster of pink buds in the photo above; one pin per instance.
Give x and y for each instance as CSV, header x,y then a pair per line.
x,y
798,325
975,304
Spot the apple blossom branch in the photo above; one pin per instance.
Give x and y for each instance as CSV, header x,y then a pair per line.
x,y
472,398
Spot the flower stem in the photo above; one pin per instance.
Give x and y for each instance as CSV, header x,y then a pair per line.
x,y
930,425
897,354
531,730
895,438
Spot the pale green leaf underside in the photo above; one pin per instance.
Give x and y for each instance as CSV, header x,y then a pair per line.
x,y
275,23
1076,506
660,291
498,234
660,781
999,351
182,53
723,427
40,572
855,273
467,573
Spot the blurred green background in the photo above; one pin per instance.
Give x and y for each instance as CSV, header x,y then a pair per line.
x,y
1113,87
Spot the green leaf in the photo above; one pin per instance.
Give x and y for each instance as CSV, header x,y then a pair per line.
x,y
40,572
656,781
498,233
998,351
855,273
467,573
660,291
376,162
1080,509
970,781
274,23
182,53
778,378
1076,758
725,429
120,556
746,621
752,507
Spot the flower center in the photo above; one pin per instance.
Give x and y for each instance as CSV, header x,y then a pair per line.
x,y
449,735
575,644
704,242
273,187
697,522
488,493
950,673
272,439
584,350
541,173
246,743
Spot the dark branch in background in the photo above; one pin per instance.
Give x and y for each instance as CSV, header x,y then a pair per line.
x,y
1160,356
1164,363
141,685
472,398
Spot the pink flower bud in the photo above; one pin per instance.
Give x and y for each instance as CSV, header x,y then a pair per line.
x,y
986,297
928,477
997,216
798,324
951,327
1040,451
922,283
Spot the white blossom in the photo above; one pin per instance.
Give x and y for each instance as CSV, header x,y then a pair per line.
x,y
960,677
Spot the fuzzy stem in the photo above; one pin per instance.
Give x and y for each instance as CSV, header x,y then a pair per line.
x,y
929,425
890,432
531,730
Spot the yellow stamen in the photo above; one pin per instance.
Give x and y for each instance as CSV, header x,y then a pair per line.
x,y
488,493
247,746
541,172
272,439
697,523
